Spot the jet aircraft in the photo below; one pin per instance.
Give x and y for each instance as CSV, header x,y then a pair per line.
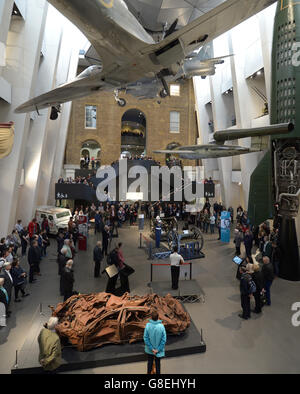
x,y
218,149
130,58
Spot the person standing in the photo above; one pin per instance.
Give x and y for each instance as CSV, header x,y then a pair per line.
x,y
19,279
248,242
105,240
267,248
98,223
275,257
268,273
68,280
24,237
32,228
238,238
176,260
98,256
155,338
258,279
61,261
19,226
245,293
45,242
111,283
50,347
4,299
212,223
33,260
157,232
8,280
123,277
60,241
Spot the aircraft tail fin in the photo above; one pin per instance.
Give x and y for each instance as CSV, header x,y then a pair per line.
x,y
206,52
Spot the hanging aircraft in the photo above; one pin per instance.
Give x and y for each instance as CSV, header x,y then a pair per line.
x,y
130,58
218,149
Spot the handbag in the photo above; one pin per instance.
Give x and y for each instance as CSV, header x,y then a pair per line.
x,y
127,270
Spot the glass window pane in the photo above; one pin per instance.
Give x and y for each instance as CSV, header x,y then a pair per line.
x,y
174,122
175,90
90,117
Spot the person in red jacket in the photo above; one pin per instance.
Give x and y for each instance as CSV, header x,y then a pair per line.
x,y
32,228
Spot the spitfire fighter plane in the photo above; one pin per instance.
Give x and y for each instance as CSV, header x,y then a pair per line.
x,y
130,58
218,149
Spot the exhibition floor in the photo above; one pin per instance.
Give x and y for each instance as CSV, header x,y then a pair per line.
x,y
266,343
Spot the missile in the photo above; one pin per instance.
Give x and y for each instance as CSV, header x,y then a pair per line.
x,y
277,177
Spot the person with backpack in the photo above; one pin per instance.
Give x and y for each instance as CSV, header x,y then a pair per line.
x,y
247,288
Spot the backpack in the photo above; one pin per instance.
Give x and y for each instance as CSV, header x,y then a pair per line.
x,y
252,286
112,258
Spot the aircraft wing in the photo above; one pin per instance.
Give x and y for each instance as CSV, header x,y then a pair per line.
x,y
80,87
174,152
211,25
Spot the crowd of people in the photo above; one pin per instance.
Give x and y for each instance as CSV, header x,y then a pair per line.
x,y
14,276
86,162
85,180
173,162
256,274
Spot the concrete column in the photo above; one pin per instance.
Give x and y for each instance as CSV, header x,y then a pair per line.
x,y
22,62
37,134
6,8
240,43
53,156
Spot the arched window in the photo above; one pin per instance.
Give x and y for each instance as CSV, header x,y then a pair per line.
x,y
133,132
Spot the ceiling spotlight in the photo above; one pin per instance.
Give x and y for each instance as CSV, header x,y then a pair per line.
x,y
259,73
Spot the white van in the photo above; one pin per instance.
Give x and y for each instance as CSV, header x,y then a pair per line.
x,y
58,218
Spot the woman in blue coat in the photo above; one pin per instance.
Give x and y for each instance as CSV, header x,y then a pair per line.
x,y
155,338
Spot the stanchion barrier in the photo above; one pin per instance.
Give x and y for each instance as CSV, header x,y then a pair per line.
x,y
166,265
146,243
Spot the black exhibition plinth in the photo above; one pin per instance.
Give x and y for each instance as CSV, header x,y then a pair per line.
x,y
27,362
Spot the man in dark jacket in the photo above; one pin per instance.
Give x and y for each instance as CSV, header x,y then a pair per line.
x,y
98,256
61,261
60,241
268,273
34,256
245,293
248,242
267,248
105,239
98,223
275,257
258,279
113,258
68,280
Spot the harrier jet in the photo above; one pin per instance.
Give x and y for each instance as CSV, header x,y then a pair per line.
x,y
130,58
218,149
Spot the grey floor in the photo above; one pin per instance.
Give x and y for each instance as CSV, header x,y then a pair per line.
x,y
265,344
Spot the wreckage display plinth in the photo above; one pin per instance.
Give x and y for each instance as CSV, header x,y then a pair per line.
x,y
188,342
